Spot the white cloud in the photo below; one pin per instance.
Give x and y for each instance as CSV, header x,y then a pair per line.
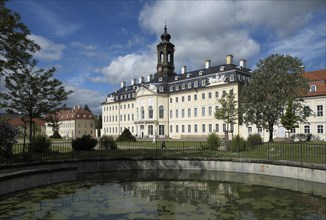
x,y
82,97
87,50
50,51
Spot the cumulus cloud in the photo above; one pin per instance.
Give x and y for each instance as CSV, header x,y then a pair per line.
x,y
87,50
82,96
211,30
50,51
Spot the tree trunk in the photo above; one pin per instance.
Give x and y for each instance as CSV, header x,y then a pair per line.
x,y
270,133
30,150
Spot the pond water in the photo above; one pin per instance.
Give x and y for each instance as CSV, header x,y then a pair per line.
x,y
169,195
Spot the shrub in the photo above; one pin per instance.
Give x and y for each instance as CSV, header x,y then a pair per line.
x,y
309,137
56,135
85,143
301,137
238,144
126,136
108,142
213,141
42,143
292,137
254,140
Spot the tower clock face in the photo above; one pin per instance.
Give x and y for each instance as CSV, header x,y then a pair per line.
x,y
160,68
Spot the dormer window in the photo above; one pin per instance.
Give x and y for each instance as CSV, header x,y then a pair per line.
x,y
313,88
231,78
160,79
200,72
188,75
222,68
171,88
176,78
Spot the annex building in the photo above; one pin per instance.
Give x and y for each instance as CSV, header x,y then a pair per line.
x,y
181,106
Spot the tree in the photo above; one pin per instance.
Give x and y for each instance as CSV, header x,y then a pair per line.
x,y
33,93
16,50
98,125
54,122
276,80
8,136
228,112
87,108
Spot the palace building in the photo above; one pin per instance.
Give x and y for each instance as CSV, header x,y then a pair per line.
x,y
182,106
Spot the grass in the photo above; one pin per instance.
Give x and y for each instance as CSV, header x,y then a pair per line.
x,y
309,152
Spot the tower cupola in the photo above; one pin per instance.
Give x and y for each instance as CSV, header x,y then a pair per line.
x,y
165,36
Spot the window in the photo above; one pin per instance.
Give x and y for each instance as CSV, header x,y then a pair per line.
x,y
306,129
161,130
142,113
203,82
216,94
231,78
189,85
150,129
182,99
177,128
182,113
224,93
200,72
160,79
150,112
189,98
176,113
320,129
182,128
203,111
183,86
171,128
210,128
217,128
177,88
161,111
209,95
170,100
222,68
210,111
313,88
260,130
249,130
176,99
195,128
189,112
203,128
203,96
171,113
306,111
196,84
161,89
292,130
195,97
319,110
171,88
195,112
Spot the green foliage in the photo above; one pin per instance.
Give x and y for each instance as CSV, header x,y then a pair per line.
x,y
16,48
42,143
254,140
213,141
108,142
85,143
8,136
277,79
126,136
238,144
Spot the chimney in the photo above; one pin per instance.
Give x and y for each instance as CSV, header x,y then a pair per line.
x,y
243,63
141,79
229,59
149,77
133,82
207,64
183,69
123,84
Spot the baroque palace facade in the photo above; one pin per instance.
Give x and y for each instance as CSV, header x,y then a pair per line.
x,y
177,106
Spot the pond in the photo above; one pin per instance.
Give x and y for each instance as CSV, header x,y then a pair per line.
x,y
165,194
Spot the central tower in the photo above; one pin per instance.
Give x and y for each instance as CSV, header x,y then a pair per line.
x,y
165,55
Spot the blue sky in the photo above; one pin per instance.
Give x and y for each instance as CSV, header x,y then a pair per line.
x,y
96,44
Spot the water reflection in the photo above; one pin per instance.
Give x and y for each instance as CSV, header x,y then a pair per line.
x,y
149,195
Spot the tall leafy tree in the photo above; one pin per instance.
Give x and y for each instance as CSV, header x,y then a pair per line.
x,y
87,108
277,79
33,93
228,112
16,49
54,122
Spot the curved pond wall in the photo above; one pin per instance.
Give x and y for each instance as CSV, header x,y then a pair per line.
x,y
29,174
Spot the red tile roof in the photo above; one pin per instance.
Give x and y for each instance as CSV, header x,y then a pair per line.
x,y
18,122
317,78
76,113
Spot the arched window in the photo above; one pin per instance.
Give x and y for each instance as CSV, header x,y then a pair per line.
x,y
313,88
142,113
161,111
161,57
196,84
169,57
150,112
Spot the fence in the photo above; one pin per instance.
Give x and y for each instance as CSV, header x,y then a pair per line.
x,y
305,152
